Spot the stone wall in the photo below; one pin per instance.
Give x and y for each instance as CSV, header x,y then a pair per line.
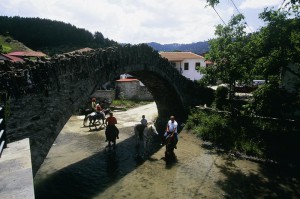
x,y
104,94
144,94
133,90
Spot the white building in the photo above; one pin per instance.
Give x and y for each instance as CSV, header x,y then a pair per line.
x,y
186,63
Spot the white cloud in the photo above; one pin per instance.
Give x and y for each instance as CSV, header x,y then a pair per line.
x,y
129,21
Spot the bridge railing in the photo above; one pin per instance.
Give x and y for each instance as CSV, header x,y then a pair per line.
x,y
3,140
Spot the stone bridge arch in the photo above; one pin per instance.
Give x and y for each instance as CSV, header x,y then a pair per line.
x,y
45,93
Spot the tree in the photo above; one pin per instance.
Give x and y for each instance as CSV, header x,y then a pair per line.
x,y
229,52
277,45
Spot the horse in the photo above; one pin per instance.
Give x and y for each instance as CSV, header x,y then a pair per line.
x,y
145,136
111,134
91,115
94,119
170,145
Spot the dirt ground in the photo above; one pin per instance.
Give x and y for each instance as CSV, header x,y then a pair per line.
x,y
80,166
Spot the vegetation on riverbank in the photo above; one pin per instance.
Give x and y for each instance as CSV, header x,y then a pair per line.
x,y
266,138
126,104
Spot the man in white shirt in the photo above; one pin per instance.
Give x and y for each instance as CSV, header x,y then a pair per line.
x,y
172,128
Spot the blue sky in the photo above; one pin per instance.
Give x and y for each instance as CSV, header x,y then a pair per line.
x,y
141,21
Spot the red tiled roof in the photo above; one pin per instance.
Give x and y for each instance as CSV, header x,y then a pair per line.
x,y
179,56
27,54
127,80
209,62
13,58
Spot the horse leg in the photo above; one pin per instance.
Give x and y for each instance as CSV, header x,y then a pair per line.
x,y
145,147
114,144
84,120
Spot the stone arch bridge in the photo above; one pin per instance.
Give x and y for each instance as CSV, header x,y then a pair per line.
x,y
45,93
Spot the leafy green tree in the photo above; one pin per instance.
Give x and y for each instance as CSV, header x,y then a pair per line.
x,y
229,52
277,44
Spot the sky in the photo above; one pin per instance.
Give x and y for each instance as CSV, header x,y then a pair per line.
x,y
142,21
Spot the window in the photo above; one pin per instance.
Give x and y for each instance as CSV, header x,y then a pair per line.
x,y
186,66
197,65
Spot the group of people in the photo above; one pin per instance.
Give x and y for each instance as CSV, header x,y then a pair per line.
x,y
111,121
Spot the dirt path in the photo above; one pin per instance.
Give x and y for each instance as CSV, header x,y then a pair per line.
x,y
79,166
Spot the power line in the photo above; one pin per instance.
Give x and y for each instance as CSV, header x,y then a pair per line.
x,y
219,15
241,13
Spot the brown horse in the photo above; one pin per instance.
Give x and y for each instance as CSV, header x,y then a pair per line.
x,y
170,146
111,134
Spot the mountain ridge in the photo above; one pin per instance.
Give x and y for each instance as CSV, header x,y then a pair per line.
x,y
199,48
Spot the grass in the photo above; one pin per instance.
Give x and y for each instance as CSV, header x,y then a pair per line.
x,y
10,45
225,133
127,104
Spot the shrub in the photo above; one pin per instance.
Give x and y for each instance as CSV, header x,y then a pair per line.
x,y
223,131
221,97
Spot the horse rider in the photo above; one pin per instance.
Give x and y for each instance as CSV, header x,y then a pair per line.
x,y
144,121
98,108
94,105
111,122
143,125
171,128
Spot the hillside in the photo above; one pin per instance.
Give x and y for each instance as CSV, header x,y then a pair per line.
x,y
198,47
7,45
51,36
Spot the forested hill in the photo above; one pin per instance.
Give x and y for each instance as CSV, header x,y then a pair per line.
x,y
198,47
54,37
51,36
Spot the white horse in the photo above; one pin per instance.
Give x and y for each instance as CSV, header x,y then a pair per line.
x,y
145,136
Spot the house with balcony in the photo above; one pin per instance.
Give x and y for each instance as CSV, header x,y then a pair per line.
x,y
186,63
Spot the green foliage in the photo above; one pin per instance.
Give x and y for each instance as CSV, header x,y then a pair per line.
x,y
9,45
221,97
230,54
51,36
222,131
126,104
276,44
271,101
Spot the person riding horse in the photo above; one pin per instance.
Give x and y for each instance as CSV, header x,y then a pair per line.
x,y
111,128
140,127
171,130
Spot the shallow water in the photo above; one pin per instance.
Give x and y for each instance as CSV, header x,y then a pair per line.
x,y
79,166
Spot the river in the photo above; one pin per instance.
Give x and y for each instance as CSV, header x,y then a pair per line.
x,y
80,166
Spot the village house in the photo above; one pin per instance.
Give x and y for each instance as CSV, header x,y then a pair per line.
x,y
186,63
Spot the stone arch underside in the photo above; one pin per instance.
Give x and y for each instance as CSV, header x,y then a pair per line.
x,y
44,94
